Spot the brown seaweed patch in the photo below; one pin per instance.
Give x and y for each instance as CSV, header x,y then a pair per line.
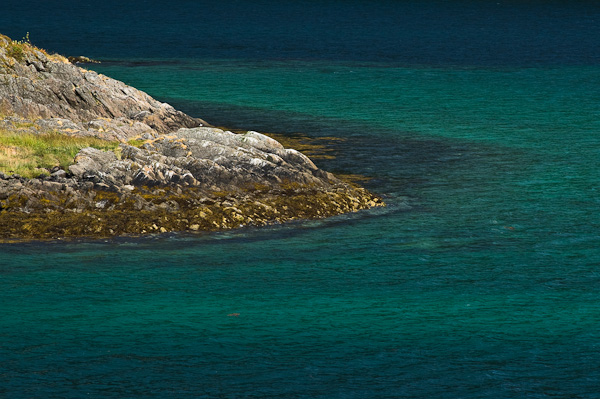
x,y
313,147
119,214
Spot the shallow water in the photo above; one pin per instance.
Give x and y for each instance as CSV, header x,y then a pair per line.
x,y
476,121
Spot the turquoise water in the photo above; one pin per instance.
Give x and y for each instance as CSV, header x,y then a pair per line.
x,y
477,122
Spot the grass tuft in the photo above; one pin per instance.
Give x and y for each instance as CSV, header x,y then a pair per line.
x,y
17,48
31,155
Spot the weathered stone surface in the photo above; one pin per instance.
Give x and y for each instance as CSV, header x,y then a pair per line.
x,y
49,87
208,158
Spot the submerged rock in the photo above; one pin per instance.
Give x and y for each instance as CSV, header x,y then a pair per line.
x,y
81,59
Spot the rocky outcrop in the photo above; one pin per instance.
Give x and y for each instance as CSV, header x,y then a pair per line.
x,y
207,158
35,85
179,176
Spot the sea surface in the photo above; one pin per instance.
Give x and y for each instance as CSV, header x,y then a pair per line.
x,y
477,121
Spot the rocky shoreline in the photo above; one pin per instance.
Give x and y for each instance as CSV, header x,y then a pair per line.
x,y
101,214
181,175
201,179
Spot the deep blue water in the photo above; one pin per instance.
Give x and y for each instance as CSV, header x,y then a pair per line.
x,y
477,121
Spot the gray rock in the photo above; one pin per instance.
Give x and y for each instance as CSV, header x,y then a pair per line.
x,y
91,162
203,157
42,87
58,174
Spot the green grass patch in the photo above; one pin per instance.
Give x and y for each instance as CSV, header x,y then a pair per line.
x,y
31,155
17,48
137,142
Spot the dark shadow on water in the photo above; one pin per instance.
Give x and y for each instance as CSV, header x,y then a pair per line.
x,y
390,159
397,165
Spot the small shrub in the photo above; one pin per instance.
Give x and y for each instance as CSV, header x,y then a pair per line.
x,y
17,48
